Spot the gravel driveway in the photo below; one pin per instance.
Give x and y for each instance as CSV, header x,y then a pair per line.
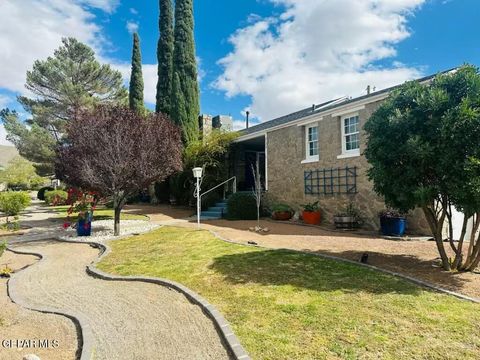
x,y
128,320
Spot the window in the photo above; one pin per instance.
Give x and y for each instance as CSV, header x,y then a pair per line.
x,y
350,136
312,142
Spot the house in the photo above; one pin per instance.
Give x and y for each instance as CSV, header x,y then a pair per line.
x,y
207,123
316,154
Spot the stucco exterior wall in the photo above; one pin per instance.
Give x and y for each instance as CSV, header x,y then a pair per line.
x,y
286,151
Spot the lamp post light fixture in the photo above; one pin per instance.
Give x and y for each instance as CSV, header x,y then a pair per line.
x,y
197,174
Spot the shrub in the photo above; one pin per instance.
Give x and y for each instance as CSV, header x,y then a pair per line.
x,y
42,191
242,206
280,207
12,202
56,197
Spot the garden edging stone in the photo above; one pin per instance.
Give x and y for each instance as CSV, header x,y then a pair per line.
x,y
84,335
229,340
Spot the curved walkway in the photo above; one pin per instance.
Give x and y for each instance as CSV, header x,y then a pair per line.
x,y
126,320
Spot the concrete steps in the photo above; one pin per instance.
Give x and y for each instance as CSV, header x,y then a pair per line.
x,y
217,211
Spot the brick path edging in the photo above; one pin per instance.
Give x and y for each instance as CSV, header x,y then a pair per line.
x,y
229,339
84,335
411,279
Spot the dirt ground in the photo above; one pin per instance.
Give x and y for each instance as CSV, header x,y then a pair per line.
x,y
17,323
414,258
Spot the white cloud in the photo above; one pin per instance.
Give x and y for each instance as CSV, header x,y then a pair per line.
x,y
133,11
315,51
31,30
132,27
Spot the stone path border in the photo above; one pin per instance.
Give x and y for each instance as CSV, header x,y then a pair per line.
x,y
227,336
84,336
372,267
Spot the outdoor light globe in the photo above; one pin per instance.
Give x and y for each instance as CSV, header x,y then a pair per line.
x,y
197,172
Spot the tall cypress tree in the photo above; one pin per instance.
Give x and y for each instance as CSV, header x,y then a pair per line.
x,y
136,78
165,57
185,94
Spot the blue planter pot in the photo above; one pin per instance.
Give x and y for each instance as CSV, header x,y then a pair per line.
x,y
84,227
393,226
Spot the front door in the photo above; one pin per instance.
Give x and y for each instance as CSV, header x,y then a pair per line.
x,y
251,159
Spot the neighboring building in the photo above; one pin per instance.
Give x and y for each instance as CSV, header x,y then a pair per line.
x,y
207,123
316,154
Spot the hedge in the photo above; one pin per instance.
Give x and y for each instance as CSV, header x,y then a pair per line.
x,y
242,206
42,191
56,197
13,202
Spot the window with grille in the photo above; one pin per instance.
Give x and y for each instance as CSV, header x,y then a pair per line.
x,y
312,142
351,134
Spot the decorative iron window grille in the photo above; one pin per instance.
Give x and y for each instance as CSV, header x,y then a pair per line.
x,y
331,181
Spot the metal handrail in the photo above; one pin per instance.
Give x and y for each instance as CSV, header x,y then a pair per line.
x,y
234,178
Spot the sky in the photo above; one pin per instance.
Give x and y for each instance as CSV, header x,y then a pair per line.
x,y
270,57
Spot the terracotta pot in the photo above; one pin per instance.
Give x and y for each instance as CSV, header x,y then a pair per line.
x,y
311,217
281,215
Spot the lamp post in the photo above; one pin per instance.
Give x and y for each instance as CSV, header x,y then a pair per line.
x,y
197,174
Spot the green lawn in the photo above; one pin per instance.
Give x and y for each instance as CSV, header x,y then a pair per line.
x,y
286,305
101,213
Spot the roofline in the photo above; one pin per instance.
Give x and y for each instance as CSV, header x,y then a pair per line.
x,y
336,107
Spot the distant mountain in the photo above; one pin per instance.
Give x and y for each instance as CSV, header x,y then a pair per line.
x,y
7,153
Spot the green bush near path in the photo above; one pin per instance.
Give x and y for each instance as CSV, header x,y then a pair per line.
x,y
56,197
288,305
13,202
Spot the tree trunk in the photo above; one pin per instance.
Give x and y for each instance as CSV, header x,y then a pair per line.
x,y
117,205
152,194
436,226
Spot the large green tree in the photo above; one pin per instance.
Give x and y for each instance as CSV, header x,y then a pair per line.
x,y
62,85
136,78
185,91
424,150
165,58
20,174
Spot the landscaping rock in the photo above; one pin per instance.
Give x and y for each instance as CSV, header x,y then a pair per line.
x,y
31,357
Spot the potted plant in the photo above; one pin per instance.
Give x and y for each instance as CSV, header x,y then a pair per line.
x,y
392,222
83,204
311,213
281,212
349,219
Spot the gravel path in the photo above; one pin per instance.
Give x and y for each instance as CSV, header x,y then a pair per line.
x,y
19,323
128,320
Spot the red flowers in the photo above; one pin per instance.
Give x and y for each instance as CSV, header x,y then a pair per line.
x,y
82,203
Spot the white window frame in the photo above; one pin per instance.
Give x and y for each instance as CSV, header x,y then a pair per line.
x,y
349,153
311,158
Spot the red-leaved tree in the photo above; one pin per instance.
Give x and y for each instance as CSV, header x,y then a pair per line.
x,y
117,152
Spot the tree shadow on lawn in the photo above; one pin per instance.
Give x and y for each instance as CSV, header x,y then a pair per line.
x,y
307,271
428,270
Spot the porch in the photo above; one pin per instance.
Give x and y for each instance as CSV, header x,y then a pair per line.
x,y
246,153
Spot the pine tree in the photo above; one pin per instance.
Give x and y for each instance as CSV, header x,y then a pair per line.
x,y
60,86
165,58
136,78
185,93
